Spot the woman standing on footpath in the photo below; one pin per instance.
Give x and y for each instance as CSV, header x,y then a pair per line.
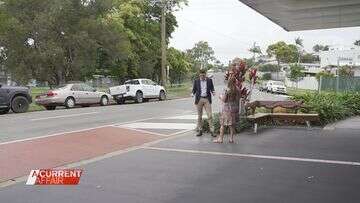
x,y
229,109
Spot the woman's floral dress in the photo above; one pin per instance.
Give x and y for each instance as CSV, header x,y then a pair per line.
x,y
230,111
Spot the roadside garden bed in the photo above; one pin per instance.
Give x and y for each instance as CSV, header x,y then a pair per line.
x,y
242,125
331,107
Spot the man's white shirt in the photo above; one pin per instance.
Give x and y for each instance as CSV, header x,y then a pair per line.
x,y
203,86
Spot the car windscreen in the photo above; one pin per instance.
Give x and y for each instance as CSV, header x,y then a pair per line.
x,y
61,87
132,82
279,83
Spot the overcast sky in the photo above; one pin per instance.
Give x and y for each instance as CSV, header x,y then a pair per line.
x,y
231,28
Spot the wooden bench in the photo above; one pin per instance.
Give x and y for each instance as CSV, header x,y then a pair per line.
x,y
294,117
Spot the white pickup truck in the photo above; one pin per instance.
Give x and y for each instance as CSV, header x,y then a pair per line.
x,y
139,90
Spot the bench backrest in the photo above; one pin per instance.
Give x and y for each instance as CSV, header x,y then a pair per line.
x,y
293,105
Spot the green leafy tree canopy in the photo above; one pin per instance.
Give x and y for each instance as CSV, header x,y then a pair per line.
x,y
285,53
201,54
296,73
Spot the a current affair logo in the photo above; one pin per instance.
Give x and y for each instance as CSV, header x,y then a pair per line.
x,y
54,177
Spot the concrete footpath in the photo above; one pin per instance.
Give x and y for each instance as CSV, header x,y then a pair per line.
x,y
352,124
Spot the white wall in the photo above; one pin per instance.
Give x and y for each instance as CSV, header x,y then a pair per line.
x,y
278,76
309,83
357,72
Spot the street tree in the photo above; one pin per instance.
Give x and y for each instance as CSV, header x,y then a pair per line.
x,y
255,50
166,7
140,20
285,53
266,76
201,55
357,43
180,65
296,73
310,58
345,71
317,48
324,74
269,68
56,41
75,39
299,45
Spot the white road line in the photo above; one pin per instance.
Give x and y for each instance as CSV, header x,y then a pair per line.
x,y
185,117
181,132
93,160
74,131
165,126
143,131
65,116
258,156
53,135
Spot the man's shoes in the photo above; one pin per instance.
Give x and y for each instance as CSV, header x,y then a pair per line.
x,y
212,134
199,134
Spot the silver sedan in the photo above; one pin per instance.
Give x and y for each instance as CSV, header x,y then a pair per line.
x,y
70,95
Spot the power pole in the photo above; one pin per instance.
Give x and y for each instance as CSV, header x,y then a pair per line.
x,y
254,47
163,43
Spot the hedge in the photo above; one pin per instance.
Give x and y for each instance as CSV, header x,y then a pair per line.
x,y
332,107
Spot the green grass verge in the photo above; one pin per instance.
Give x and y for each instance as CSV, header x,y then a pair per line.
x,y
179,91
34,92
296,91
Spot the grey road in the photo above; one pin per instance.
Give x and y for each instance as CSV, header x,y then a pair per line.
x,y
34,124
276,165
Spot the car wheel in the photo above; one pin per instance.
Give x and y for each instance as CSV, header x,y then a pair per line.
x,y
70,103
19,104
162,96
104,101
50,108
139,97
4,111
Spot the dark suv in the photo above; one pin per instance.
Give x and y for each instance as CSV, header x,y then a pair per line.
x,y
17,99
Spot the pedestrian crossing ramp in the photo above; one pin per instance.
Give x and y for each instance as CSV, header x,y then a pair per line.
x,y
168,126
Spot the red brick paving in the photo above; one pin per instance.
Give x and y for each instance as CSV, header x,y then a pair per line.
x,y
17,159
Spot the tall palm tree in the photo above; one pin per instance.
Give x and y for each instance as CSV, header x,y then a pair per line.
x,y
255,50
357,43
300,45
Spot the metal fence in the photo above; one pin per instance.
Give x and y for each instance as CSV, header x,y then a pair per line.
x,y
339,84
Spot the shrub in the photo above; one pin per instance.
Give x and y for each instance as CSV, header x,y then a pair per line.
x,y
332,107
269,68
241,125
324,74
266,76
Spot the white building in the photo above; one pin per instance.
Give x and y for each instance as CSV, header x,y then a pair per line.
x,y
311,69
340,56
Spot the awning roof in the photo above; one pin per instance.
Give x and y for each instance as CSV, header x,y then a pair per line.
x,y
294,15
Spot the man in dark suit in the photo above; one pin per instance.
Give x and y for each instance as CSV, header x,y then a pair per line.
x,y
203,90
